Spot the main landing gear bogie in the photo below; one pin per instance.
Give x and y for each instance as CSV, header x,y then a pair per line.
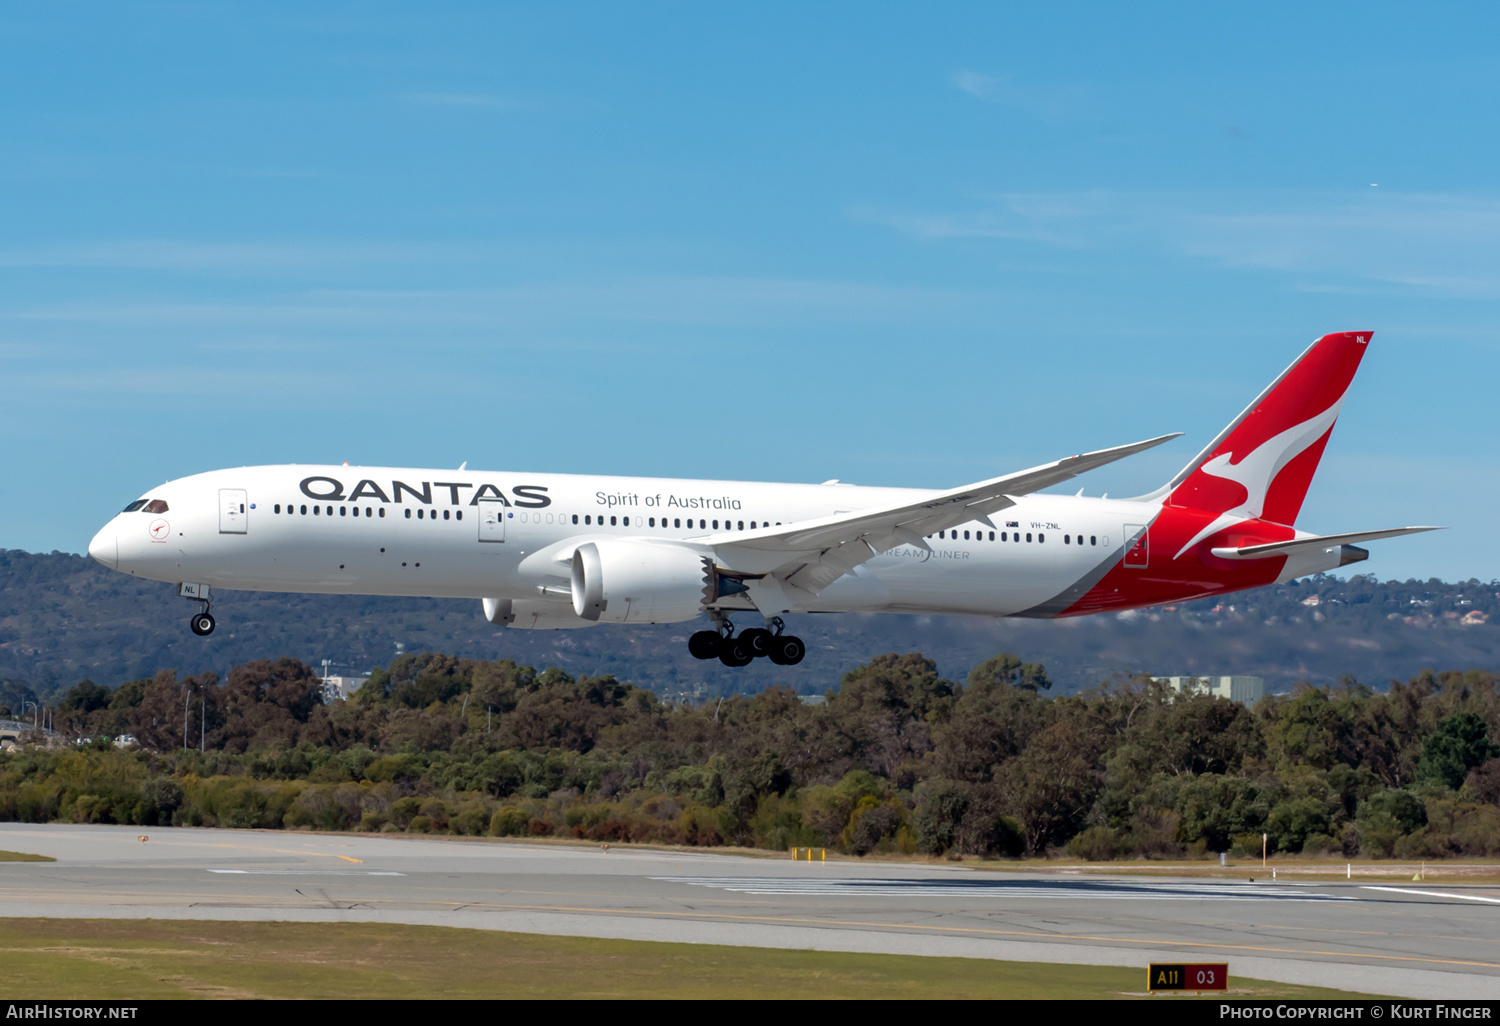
x,y
787,650
757,640
735,652
704,645
749,645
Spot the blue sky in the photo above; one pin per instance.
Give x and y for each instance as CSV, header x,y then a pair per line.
x,y
789,242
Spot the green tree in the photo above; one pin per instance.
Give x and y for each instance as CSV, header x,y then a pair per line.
x,y
1292,822
84,697
1387,816
1050,786
1460,743
992,721
1214,809
884,708
1007,669
1307,730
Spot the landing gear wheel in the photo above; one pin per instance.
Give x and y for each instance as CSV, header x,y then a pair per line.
x,y
202,624
705,644
758,640
734,652
787,650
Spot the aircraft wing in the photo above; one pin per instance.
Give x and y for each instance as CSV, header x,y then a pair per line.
x,y
1325,541
812,554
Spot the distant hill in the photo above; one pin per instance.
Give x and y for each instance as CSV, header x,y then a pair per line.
x,y
64,618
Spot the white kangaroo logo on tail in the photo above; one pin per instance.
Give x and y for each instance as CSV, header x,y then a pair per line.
x,y
1259,468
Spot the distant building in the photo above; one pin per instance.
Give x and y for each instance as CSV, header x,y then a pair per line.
x,y
341,687
14,732
692,696
11,731
1244,690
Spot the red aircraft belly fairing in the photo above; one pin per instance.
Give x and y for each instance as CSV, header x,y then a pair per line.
x,y
1156,576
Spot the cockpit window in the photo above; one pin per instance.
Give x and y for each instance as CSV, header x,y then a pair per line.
x,y
155,506
137,504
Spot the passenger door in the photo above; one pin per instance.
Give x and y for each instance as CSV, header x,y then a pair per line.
x,y
232,517
491,520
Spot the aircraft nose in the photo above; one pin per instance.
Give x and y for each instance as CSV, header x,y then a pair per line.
x,y
105,547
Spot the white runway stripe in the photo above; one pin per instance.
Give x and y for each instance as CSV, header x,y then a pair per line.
x,y
998,890
1433,894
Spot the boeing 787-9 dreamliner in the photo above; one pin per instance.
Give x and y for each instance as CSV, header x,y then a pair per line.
x,y
547,551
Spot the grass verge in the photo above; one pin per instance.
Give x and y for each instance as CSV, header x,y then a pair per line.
x,y
22,856
104,959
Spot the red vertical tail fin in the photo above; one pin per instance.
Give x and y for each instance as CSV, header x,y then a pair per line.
x,y
1262,463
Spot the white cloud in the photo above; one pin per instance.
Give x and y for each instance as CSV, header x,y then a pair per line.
x,y
26,351
681,300
1045,102
1065,220
1438,244
974,83
168,380
187,255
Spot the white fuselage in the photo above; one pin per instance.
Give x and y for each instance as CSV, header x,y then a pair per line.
x,y
556,550
403,531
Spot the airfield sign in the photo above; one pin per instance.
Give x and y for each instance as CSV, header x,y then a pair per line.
x,y
1205,976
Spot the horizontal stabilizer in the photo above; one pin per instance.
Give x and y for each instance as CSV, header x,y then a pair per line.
x,y
1325,541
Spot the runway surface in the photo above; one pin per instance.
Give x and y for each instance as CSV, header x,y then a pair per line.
x,y
1421,941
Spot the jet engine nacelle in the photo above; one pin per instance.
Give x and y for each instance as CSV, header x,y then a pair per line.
x,y
637,582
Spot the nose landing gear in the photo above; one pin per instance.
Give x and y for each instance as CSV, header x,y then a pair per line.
x,y
721,643
202,624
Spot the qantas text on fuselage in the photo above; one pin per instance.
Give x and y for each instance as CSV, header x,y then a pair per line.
x,y
551,551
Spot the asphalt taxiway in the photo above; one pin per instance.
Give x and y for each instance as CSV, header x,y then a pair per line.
x,y
1417,940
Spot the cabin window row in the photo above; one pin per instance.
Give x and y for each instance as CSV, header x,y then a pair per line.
x,y
665,523
369,511
588,519
1041,537
614,521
